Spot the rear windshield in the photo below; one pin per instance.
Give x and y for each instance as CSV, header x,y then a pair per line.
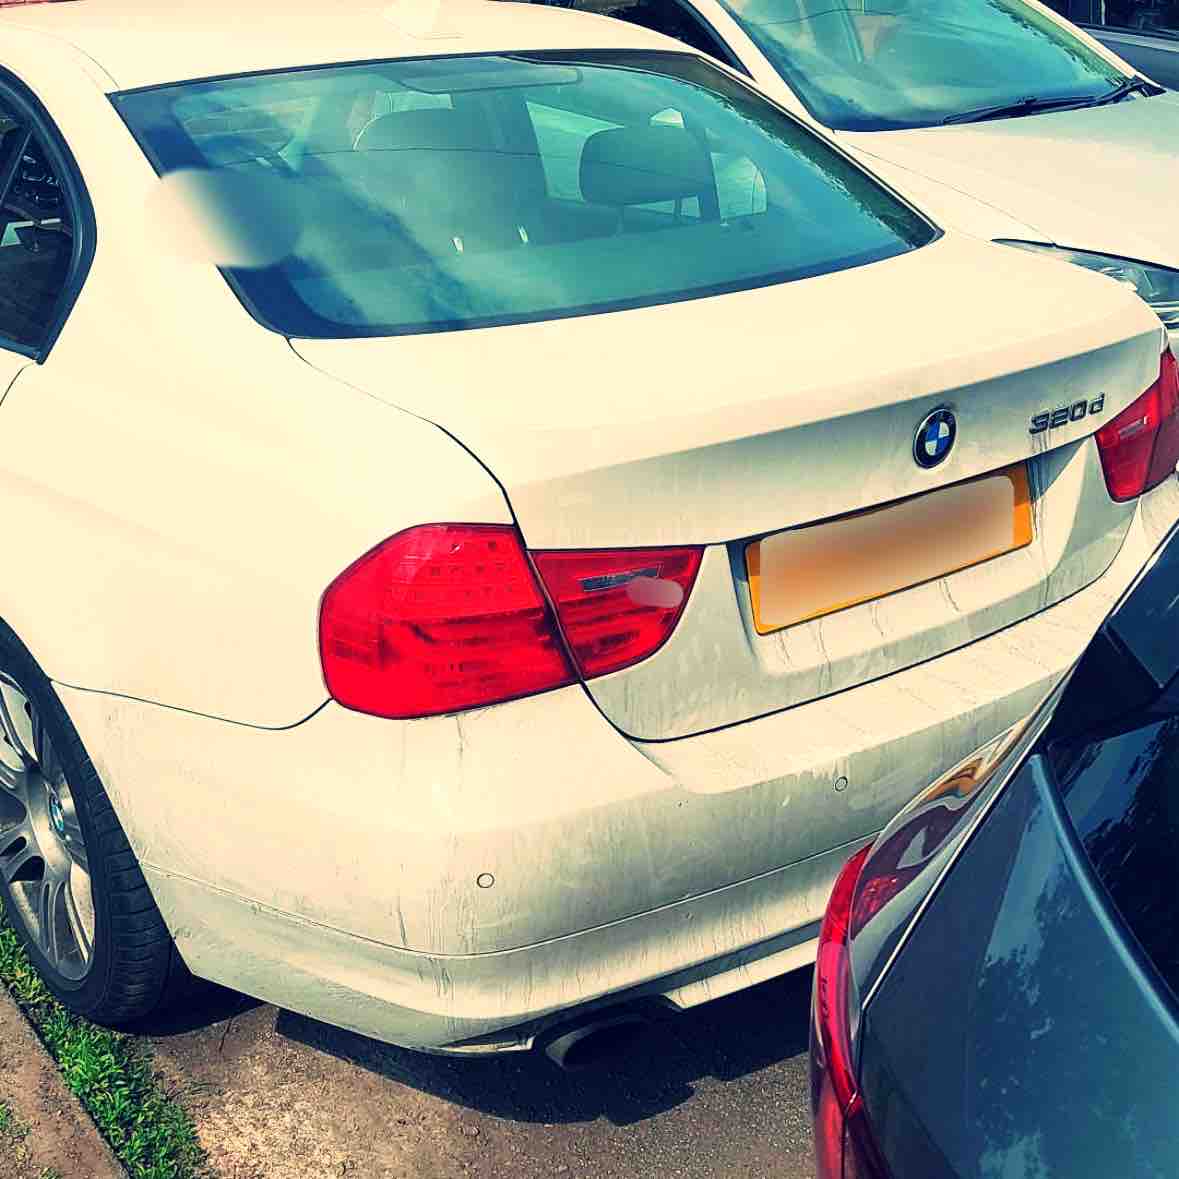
x,y
870,65
426,195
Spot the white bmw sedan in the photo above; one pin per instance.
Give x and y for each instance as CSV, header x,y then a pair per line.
x,y
497,510
938,98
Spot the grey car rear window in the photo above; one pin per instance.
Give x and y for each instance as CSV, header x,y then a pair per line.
x,y
444,193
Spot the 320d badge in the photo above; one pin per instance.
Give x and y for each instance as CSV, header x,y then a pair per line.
x,y
1051,418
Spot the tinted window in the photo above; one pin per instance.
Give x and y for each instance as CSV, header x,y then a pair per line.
x,y
1122,795
878,64
36,236
460,192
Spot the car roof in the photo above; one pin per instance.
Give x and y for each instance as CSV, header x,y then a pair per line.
x,y
147,43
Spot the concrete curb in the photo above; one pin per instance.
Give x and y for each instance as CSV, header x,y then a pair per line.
x,y
60,1134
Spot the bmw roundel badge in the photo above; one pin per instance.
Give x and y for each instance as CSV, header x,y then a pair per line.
x,y
935,438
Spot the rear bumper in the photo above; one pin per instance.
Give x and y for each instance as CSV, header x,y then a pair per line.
x,y
473,878
489,1003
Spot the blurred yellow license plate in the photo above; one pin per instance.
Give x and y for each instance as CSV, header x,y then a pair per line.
x,y
807,572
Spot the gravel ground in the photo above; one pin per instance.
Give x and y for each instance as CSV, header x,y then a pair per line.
x,y
717,1092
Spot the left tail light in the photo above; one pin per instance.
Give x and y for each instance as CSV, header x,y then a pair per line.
x,y
617,607
844,1144
446,617
1140,447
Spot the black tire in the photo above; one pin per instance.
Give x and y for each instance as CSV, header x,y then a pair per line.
x,y
134,970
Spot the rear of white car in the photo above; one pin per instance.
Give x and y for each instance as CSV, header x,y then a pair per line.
x,y
727,499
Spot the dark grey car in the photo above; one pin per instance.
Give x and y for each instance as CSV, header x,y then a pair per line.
x,y
997,978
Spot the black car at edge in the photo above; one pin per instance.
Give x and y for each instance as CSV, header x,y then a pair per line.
x,y
997,978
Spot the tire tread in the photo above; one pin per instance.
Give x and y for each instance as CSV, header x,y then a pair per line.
x,y
137,971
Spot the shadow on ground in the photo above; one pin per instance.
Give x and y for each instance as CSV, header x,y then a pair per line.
x,y
727,1039
204,1004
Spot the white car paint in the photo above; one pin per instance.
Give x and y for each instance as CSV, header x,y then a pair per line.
x,y
393,939
1087,179
711,441
203,481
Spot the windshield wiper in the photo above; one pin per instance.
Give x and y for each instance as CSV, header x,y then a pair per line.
x,y
1022,106
1033,104
1134,85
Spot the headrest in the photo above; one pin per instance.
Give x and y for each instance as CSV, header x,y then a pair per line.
x,y
643,165
225,150
437,128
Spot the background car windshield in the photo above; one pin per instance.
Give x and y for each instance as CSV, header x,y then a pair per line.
x,y
882,64
467,191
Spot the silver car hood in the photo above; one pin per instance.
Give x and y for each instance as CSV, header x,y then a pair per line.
x,y
1100,179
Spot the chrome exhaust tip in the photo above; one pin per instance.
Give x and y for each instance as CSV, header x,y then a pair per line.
x,y
592,1042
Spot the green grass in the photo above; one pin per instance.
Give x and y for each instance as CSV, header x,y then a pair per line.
x,y
9,1126
111,1073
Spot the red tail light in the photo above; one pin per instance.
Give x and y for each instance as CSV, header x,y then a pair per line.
x,y
617,607
1140,447
446,617
844,1145
438,619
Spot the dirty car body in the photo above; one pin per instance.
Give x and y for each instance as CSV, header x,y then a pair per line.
x,y
473,592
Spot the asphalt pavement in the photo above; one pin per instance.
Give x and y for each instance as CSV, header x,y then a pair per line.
x,y
720,1091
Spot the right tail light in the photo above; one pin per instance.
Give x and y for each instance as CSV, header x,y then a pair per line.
x,y
1140,447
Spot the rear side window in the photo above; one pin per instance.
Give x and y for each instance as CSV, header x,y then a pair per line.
x,y
462,192
36,236
1122,794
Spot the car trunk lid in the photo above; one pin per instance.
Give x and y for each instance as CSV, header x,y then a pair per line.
x,y
717,421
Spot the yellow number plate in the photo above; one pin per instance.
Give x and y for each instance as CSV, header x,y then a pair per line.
x,y
808,572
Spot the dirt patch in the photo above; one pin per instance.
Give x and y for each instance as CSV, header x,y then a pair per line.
x,y
47,1130
720,1093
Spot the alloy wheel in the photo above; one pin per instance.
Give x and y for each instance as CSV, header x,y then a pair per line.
x,y
44,867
